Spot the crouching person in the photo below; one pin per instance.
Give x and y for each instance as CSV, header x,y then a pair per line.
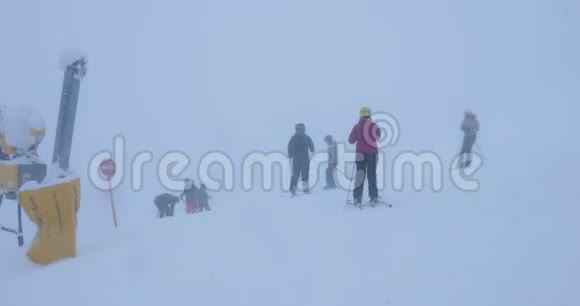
x,y
165,203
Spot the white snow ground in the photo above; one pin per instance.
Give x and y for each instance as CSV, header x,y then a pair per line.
x,y
236,76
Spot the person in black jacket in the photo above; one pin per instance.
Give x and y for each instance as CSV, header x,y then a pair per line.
x,y
203,198
165,203
298,151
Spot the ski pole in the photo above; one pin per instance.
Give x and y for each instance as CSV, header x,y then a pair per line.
x,y
480,151
290,174
350,184
343,173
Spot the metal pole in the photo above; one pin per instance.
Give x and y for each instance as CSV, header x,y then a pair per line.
x,y
20,234
352,177
67,113
480,151
112,203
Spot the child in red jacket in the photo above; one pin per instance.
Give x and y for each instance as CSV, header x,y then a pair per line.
x,y
189,196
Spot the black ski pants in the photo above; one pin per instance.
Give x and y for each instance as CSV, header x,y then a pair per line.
x,y
300,169
203,204
165,209
330,171
468,142
466,148
366,166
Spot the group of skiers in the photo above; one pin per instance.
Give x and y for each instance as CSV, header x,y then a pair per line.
x,y
365,135
196,200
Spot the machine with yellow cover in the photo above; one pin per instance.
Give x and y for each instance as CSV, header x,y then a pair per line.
x,y
53,208
51,199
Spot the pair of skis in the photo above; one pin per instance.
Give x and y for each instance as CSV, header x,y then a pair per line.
x,y
311,191
374,203
298,193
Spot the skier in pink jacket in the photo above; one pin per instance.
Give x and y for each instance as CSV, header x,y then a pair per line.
x,y
365,134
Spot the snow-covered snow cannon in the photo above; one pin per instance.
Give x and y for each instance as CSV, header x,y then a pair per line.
x,y
21,131
50,196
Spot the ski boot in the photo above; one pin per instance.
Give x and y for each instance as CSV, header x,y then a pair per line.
x,y
464,164
305,187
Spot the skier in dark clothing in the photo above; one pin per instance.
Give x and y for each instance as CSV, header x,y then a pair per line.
x,y
365,134
332,162
299,149
189,195
470,127
165,203
203,198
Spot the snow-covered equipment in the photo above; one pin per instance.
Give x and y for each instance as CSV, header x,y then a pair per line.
x,y
50,196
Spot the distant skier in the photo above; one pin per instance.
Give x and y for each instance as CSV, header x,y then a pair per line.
x,y
298,151
165,203
332,162
203,198
470,127
365,134
189,195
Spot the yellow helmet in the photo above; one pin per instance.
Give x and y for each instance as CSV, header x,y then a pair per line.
x,y
365,111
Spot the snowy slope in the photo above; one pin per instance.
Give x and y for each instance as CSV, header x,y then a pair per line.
x,y
235,76
314,251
